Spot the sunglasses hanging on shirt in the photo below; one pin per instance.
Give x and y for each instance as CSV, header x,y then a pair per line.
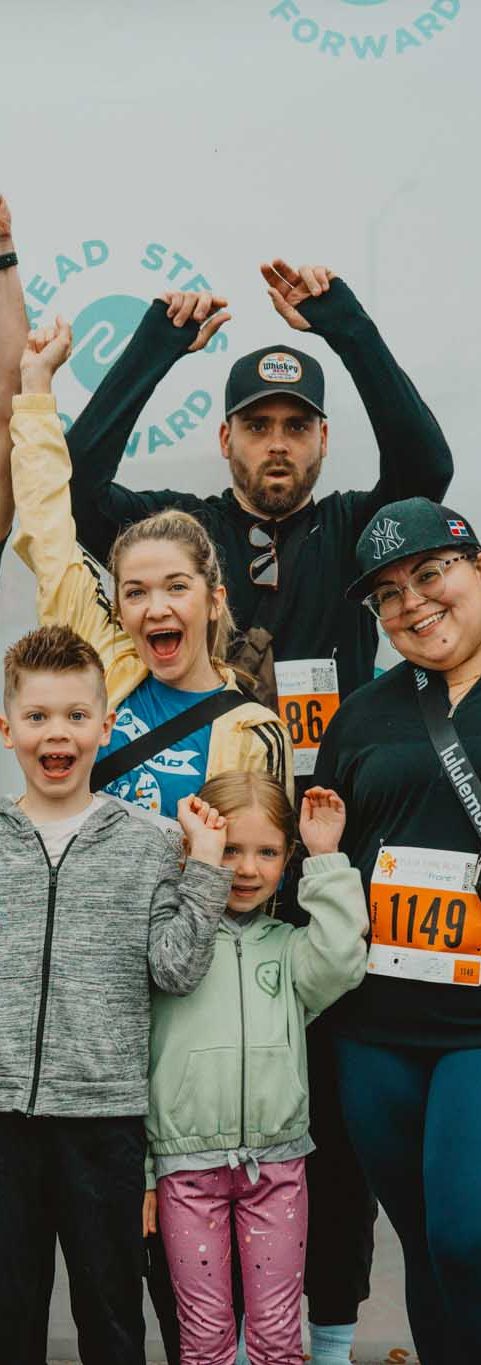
x,y
264,569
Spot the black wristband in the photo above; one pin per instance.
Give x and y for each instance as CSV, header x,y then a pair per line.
x,y
8,259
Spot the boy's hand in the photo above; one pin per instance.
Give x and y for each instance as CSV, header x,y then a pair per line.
x,y
202,308
288,287
205,830
45,351
149,1213
323,817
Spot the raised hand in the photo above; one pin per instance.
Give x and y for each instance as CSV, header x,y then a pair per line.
x,y
322,822
202,308
204,829
5,220
46,350
288,287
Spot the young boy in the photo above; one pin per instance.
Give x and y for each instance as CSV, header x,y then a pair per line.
x,y
91,900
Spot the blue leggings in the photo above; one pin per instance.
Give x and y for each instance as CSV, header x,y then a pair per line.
x,y
414,1118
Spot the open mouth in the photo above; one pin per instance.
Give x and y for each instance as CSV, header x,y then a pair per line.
x,y
429,621
57,765
245,890
164,643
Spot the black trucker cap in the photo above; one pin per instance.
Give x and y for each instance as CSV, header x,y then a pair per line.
x,y
401,529
274,370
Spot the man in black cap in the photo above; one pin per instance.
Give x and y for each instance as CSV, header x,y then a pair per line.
x,y
287,559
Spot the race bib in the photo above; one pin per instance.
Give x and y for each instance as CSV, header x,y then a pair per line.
x,y
425,916
308,694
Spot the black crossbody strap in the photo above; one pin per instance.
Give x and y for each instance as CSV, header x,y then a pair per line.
x,y
445,740
139,750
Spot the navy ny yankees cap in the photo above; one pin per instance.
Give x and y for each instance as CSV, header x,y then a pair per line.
x,y
401,529
272,370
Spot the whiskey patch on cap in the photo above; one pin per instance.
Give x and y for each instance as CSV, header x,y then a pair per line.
x,y
279,367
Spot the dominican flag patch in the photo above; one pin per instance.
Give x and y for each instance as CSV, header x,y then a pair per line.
x,y
458,528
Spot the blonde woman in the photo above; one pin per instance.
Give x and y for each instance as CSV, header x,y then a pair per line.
x,y
163,640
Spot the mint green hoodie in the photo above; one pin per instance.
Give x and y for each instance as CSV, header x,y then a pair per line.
x,y
228,1064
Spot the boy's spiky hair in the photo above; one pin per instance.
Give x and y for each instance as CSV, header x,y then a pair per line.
x,y
50,648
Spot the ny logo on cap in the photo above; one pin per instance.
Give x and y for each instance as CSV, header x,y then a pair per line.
x,y
385,537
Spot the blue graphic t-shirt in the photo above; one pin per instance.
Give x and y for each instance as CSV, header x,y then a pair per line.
x,y
160,782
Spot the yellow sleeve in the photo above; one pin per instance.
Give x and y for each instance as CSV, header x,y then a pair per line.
x,y
69,589
252,739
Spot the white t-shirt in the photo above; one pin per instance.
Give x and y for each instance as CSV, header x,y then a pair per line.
x,y
56,834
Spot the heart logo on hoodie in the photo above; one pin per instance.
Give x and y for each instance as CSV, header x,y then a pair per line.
x,y
267,977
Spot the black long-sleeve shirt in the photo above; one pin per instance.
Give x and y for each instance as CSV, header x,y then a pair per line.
x,y
378,756
312,618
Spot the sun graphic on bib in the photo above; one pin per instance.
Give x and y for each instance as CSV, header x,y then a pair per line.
x,y
387,863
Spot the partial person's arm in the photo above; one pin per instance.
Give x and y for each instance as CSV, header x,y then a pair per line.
x,y
98,438
13,335
415,459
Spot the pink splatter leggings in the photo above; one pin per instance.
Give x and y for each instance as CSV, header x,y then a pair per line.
x,y
271,1222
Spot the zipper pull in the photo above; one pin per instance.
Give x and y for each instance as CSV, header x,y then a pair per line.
x,y
52,877
238,947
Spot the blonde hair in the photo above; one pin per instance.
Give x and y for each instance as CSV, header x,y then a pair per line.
x,y
233,792
181,529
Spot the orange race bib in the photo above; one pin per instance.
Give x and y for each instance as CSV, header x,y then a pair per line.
x,y
308,694
425,916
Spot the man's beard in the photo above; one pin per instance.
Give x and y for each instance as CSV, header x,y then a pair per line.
x,y
272,500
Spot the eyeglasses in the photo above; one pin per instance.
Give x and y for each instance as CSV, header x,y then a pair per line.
x,y
264,570
426,581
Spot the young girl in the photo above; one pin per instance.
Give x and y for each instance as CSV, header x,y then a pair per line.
x,y
164,639
229,1109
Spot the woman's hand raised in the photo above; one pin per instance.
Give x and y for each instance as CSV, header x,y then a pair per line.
x,y
46,350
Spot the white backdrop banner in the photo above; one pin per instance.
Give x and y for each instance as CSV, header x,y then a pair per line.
x,y
179,145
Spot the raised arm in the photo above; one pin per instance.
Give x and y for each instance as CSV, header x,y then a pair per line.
x,y
98,438
68,591
181,945
414,456
329,957
13,335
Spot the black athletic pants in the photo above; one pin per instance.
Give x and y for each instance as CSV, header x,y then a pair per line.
x,y
342,1210
83,1178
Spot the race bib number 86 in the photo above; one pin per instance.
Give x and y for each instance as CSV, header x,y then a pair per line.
x,y
308,697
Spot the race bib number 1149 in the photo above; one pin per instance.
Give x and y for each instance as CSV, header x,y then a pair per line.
x,y
425,916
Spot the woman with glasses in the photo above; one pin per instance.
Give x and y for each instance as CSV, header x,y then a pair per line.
x,y
409,1039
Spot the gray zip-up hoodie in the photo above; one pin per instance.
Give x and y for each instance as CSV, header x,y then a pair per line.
x,y
76,945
